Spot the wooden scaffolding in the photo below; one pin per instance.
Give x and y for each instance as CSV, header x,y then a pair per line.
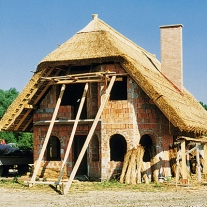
x,y
182,154
72,79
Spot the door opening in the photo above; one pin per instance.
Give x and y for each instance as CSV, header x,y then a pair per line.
x,y
79,141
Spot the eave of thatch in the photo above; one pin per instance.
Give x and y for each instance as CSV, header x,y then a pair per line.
x,y
98,42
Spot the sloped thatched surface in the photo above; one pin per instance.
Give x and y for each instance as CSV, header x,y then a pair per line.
x,y
99,42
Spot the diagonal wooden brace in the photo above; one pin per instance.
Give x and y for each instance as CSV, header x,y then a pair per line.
x,y
47,137
80,157
73,132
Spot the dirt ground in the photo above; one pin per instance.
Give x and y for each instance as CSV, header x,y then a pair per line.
x,y
80,195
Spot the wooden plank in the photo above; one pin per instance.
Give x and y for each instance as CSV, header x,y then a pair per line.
x,y
177,167
205,159
35,101
47,135
73,132
198,162
201,139
22,119
97,80
80,157
80,75
191,150
68,121
80,81
183,156
28,123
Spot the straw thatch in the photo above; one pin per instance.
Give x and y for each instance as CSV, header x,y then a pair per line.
x,y
98,43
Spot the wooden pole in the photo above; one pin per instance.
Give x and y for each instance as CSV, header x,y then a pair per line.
x,y
47,136
80,157
198,162
73,132
183,155
177,166
205,160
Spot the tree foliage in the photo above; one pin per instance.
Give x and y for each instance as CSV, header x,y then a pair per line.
x,y
204,105
22,139
6,98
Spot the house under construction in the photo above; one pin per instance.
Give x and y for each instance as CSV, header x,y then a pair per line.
x,y
99,95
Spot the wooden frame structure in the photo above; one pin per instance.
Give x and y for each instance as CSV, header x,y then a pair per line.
x,y
70,79
182,153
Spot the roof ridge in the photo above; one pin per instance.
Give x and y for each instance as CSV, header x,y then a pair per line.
x,y
95,25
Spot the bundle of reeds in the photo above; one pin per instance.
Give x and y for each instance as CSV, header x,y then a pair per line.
x,y
173,157
153,162
131,171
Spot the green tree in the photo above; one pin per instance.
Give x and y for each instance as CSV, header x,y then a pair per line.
x,y
6,98
204,105
22,139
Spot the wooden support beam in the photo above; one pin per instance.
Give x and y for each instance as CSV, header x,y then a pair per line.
x,y
67,121
205,159
73,132
198,162
80,81
30,107
22,119
177,166
28,123
80,157
47,136
191,150
183,156
81,75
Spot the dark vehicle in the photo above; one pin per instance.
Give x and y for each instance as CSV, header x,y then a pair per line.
x,y
14,161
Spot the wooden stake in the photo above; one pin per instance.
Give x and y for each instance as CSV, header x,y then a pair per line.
x,y
198,162
177,167
183,155
73,132
205,160
125,165
80,157
47,136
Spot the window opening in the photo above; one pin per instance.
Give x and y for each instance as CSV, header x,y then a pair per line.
x,y
72,96
53,149
146,142
119,90
118,147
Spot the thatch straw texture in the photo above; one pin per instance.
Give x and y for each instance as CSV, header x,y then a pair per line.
x,y
97,43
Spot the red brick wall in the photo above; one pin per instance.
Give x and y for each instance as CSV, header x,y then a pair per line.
x,y
131,118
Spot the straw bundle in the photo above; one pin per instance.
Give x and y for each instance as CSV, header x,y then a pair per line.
x,y
131,171
154,160
173,157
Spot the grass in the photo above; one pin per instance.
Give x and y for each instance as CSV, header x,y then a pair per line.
x,y
80,187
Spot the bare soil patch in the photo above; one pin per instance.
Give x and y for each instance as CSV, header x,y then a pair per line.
x,y
103,194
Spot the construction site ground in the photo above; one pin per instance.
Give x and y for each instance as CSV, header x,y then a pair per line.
x,y
16,193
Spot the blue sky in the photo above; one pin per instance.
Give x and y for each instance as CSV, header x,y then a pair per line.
x,y
31,29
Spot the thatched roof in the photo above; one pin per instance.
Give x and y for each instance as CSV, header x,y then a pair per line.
x,y
97,43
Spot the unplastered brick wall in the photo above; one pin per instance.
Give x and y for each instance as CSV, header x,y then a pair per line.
x,y
50,99
171,54
132,118
94,156
62,132
47,107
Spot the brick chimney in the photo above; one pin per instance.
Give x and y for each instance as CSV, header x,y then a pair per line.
x,y
171,54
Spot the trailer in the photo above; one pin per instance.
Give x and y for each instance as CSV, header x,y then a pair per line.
x,y
16,164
